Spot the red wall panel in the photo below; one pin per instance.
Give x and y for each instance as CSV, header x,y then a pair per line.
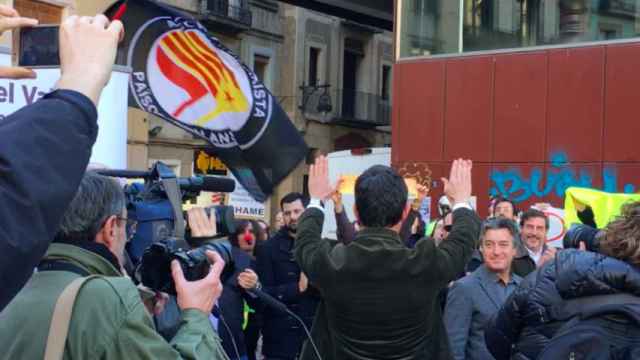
x,y
518,182
556,179
419,128
520,107
534,122
481,182
468,109
622,100
625,177
575,110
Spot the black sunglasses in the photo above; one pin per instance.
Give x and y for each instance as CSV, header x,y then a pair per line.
x,y
447,228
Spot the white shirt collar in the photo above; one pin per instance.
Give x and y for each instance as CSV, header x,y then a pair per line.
x,y
535,256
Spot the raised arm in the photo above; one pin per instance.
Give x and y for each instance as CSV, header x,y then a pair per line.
x,y
311,251
452,255
46,147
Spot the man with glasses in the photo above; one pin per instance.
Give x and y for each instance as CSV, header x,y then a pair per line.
x,y
109,320
474,299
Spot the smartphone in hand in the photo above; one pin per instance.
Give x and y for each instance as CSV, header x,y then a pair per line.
x,y
38,46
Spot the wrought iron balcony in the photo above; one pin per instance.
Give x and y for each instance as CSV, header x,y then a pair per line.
x,y
350,108
235,15
623,8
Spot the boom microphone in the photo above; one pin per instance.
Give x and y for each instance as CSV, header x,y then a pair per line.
x,y
127,174
191,184
269,300
207,183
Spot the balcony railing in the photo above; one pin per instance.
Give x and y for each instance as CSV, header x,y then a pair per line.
x,y
230,11
352,108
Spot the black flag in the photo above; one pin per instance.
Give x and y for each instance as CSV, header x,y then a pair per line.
x,y
188,78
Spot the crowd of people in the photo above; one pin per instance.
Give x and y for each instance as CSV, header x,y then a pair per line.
x,y
390,287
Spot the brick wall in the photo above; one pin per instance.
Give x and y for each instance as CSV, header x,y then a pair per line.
x,y
45,13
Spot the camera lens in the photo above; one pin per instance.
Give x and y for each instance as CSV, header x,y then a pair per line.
x,y
155,268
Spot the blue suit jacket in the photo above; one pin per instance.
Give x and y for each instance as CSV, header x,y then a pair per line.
x,y
471,303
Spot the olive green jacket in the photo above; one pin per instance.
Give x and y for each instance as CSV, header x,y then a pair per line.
x,y
109,320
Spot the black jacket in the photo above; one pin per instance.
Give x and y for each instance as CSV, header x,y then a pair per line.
x,y
44,151
279,274
380,297
525,322
231,306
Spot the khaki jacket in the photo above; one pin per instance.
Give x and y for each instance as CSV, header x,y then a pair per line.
x,y
109,320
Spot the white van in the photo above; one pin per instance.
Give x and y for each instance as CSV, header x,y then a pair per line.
x,y
350,162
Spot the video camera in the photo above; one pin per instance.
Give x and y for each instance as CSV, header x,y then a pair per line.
x,y
161,235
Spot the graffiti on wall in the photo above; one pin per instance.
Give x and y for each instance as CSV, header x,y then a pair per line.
x,y
561,175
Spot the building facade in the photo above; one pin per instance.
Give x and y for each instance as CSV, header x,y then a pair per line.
x,y
336,83
538,93
333,77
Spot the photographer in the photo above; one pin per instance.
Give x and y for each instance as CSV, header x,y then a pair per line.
x,y
46,146
582,302
109,319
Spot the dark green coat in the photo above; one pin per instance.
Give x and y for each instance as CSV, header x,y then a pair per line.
x,y
380,297
109,320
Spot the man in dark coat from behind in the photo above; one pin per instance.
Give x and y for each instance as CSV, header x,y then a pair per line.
x,y
379,295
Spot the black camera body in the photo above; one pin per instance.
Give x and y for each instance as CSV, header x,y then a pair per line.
x,y
194,263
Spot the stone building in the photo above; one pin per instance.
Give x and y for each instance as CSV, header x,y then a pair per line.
x,y
332,76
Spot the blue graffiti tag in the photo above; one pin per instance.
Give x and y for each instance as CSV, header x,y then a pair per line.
x,y
511,184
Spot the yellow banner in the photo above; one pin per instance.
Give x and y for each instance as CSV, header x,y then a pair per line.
x,y
605,206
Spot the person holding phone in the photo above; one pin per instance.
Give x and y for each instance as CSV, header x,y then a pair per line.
x,y
46,146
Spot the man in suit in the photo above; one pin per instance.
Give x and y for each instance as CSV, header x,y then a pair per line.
x,y
379,295
281,278
533,252
474,299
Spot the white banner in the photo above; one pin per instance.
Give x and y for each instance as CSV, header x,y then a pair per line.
x,y
557,227
244,205
110,148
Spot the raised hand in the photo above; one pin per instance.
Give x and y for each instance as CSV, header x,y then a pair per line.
x,y
548,255
88,48
458,186
336,197
319,186
200,224
423,191
10,20
201,294
303,283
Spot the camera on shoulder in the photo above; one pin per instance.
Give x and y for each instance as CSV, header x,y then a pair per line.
x,y
161,235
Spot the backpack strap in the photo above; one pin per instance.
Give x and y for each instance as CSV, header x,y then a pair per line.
x,y
59,328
